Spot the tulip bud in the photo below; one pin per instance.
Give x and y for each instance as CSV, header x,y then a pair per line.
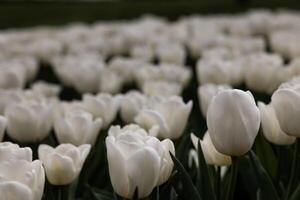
x,y
211,155
21,179
104,106
9,150
63,163
286,101
271,128
205,94
169,126
77,128
137,160
29,121
233,122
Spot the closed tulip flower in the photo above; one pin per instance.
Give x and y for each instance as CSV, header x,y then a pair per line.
x,y
9,150
104,106
137,160
77,128
21,179
211,155
170,116
270,126
233,121
206,92
286,101
29,121
63,163
3,123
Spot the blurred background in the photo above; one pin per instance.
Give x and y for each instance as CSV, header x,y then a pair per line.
x,y
24,13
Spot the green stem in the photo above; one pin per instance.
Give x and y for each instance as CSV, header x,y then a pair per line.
x,y
218,183
157,193
292,181
232,179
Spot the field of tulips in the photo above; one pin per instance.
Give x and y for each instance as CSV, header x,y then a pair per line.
x,y
201,108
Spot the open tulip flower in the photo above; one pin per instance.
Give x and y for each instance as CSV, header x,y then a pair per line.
x,y
29,121
63,163
170,126
145,160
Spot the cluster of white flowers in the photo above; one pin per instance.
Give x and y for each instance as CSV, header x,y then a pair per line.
x,y
147,55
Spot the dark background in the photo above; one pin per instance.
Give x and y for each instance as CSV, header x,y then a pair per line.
x,y
24,13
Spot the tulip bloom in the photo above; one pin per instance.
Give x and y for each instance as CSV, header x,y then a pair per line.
x,y
104,106
77,128
63,163
137,160
286,101
206,92
271,128
9,150
29,121
169,115
21,179
211,155
233,122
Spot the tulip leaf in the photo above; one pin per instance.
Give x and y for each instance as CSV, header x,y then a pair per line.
x,y
186,179
296,194
203,177
101,194
266,154
267,189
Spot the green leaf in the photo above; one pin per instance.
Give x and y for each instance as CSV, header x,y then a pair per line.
x,y
296,194
186,179
229,191
267,189
267,156
101,194
203,177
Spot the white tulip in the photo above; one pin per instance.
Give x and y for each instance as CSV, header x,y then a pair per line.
x,y
131,103
161,88
126,67
233,122
21,179
211,155
110,81
9,150
171,53
8,97
63,163
3,122
137,160
103,105
46,89
286,101
12,77
77,128
206,92
270,126
263,72
219,71
29,121
170,126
